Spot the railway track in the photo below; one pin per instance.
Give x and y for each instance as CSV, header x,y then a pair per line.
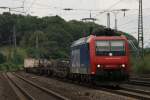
x,y
136,93
139,82
20,92
124,91
141,79
27,90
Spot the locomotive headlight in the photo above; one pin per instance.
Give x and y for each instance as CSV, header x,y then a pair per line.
x,y
98,66
123,65
110,54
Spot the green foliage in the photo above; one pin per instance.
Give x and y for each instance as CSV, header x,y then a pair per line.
x,y
15,59
147,51
18,58
141,66
47,37
10,66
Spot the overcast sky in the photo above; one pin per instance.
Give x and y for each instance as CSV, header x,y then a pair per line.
x,y
82,9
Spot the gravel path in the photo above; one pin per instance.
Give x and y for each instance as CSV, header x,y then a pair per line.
x,y
72,91
6,92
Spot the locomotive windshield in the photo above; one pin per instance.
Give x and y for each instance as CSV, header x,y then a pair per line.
x,y
114,47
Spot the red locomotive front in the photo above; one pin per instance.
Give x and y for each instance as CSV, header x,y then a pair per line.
x,y
109,58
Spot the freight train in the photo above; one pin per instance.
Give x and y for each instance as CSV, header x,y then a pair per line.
x,y
102,59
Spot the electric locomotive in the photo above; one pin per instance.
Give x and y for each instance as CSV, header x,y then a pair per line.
x,y
104,59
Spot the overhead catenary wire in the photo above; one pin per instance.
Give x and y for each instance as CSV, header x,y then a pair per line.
x,y
60,8
114,5
115,11
31,6
80,9
131,21
54,7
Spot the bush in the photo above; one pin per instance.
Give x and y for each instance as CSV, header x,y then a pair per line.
x,y
141,66
15,62
10,67
2,58
17,58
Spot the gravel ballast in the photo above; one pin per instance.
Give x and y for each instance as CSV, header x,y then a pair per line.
x,y
6,92
73,91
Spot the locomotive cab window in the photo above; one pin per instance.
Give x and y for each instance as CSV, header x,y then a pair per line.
x,y
116,47
102,47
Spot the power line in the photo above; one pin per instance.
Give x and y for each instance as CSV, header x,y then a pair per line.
x,y
80,9
131,21
114,4
31,5
54,7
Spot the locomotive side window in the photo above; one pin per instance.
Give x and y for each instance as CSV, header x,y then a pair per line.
x,y
75,58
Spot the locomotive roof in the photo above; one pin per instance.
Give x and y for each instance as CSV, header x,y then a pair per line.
x,y
80,41
87,39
